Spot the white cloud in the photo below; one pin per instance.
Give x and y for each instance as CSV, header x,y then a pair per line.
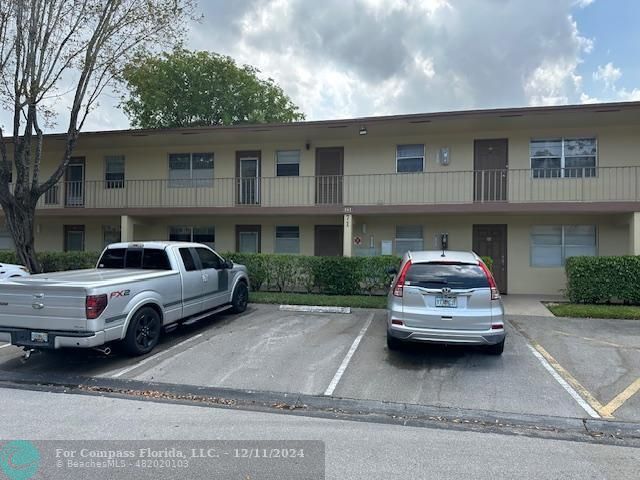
x,y
366,57
583,3
607,74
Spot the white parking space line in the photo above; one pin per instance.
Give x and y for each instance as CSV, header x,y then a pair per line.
x,y
343,366
5,345
124,371
587,408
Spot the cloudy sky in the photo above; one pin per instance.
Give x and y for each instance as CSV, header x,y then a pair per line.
x,y
345,58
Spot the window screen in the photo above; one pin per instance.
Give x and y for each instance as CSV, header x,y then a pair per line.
x,y
114,171
551,245
288,163
409,237
409,158
287,239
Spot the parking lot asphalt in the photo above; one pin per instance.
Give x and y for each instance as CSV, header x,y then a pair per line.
x,y
602,355
346,356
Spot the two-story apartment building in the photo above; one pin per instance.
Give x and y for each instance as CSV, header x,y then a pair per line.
x,y
527,186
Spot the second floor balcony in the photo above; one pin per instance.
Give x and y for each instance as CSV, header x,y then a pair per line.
x,y
600,184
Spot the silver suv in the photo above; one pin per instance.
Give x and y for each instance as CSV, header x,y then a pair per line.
x,y
445,297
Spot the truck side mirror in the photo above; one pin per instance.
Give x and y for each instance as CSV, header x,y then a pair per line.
x,y
392,270
228,264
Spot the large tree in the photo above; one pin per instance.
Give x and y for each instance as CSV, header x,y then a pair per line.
x,y
184,88
53,48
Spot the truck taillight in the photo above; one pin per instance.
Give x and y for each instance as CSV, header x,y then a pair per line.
x,y
95,305
495,293
399,284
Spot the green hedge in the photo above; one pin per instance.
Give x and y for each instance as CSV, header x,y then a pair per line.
x,y
326,275
57,261
603,279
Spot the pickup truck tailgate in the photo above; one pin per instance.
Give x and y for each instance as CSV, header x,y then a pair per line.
x,y
27,304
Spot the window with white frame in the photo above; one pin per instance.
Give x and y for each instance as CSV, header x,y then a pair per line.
x,y
114,171
409,237
190,169
287,239
198,234
409,158
288,163
551,245
563,157
111,234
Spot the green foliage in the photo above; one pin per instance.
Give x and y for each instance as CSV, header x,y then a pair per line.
x,y
488,261
327,275
57,261
603,279
572,310
184,88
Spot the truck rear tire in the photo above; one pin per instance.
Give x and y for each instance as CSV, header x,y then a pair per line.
x,y
240,298
143,333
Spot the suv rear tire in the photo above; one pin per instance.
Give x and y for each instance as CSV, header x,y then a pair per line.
x,y
394,344
496,349
240,298
143,333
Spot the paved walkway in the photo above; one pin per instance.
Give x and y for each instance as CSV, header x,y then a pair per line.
x,y
530,305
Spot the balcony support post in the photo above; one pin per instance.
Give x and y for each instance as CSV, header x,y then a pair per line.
x,y
126,228
347,237
634,234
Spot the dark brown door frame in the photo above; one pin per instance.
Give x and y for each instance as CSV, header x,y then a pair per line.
x,y
501,277
329,185
490,179
75,161
249,228
316,238
248,153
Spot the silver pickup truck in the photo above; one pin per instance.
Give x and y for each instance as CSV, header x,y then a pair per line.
x,y
136,291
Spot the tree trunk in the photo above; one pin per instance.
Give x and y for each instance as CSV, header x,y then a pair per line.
x,y
20,218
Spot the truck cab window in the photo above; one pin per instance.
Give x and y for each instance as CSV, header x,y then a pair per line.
x,y
112,258
187,259
208,259
155,259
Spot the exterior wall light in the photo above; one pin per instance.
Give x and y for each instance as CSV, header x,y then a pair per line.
x,y
363,130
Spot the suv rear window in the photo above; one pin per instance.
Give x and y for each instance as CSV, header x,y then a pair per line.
x,y
452,275
148,258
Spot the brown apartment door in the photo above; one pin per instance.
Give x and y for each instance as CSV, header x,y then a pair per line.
x,y
329,169
490,161
328,241
491,241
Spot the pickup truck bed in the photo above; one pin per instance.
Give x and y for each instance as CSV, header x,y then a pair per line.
x,y
88,308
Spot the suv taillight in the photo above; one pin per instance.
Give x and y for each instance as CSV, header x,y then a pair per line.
x,y
495,293
95,305
399,284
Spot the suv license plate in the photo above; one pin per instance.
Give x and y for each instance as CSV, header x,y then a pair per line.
x,y
447,302
39,337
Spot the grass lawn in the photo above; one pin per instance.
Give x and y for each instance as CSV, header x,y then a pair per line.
x,y
595,311
355,301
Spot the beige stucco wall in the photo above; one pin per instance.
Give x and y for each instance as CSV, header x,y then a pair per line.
x,y
612,231
613,236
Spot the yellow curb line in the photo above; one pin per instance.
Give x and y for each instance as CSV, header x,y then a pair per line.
x,y
567,377
622,397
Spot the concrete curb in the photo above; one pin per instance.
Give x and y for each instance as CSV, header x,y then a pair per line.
x,y
539,426
314,309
